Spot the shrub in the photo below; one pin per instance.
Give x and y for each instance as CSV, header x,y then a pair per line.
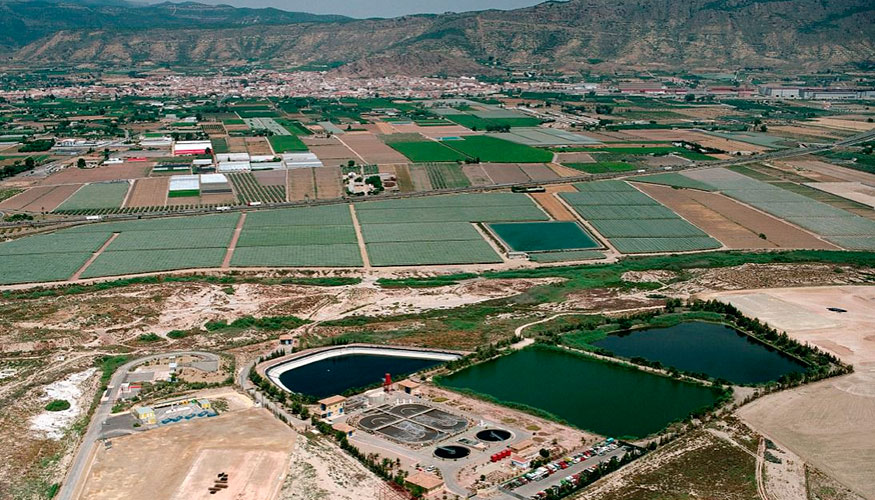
x,y
58,405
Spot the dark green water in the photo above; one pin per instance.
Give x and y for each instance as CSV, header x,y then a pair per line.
x,y
336,375
603,397
543,236
699,347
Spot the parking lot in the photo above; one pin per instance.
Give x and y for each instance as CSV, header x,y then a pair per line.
x,y
530,489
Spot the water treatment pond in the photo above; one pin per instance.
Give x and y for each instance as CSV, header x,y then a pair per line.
x,y
543,236
699,347
603,397
336,375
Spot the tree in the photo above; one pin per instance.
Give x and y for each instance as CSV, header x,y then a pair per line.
x,y
350,163
29,163
689,98
763,128
80,163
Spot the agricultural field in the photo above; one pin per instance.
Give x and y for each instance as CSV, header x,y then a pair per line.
x,y
96,196
836,225
633,222
220,145
426,151
23,268
113,263
248,189
151,192
491,149
286,144
444,175
437,230
602,167
298,237
474,122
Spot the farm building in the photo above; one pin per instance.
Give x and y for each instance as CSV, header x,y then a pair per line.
x,y
191,147
184,185
409,386
345,428
301,160
215,184
156,142
232,157
234,166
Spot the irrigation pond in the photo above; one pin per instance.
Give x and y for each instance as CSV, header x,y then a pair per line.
x,y
700,347
600,396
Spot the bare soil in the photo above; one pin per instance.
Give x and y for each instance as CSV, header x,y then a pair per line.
x,y
150,192
251,446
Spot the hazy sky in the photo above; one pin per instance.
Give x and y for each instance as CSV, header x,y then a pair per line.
x,y
377,8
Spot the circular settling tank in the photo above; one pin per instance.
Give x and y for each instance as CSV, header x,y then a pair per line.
x,y
493,435
451,452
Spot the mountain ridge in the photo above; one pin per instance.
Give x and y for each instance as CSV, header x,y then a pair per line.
x,y
782,34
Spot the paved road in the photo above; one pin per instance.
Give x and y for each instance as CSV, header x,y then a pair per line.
x,y
82,460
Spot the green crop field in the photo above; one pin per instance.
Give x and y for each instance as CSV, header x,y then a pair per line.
x,y
674,180
247,188
24,268
602,167
162,224
476,123
331,215
296,235
340,255
423,231
168,239
451,214
61,242
233,121
219,144
633,222
97,195
144,261
567,256
286,143
417,253
427,151
492,149
446,176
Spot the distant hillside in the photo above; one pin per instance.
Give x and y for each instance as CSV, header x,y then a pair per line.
x,y
24,21
693,34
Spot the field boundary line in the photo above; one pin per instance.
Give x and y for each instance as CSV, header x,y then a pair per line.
x,y
93,257
363,249
128,192
360,157
226,261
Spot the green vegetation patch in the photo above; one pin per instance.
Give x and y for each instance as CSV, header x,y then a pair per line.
x,y
427,151
286,143
414,253
58,405
338,255
60,242
602,167
477,123
111,263
491,149
675,180
157,240
97,195
184,193
25,268
296,235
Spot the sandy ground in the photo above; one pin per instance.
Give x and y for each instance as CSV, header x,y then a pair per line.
x,y
840,124
835,171
855,191
553,206
830,424
321,471
151,192
181,461
54,424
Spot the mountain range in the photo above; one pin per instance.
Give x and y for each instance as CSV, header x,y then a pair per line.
x,y
793,35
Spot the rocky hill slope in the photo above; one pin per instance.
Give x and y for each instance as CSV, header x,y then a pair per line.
x,y
692,34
